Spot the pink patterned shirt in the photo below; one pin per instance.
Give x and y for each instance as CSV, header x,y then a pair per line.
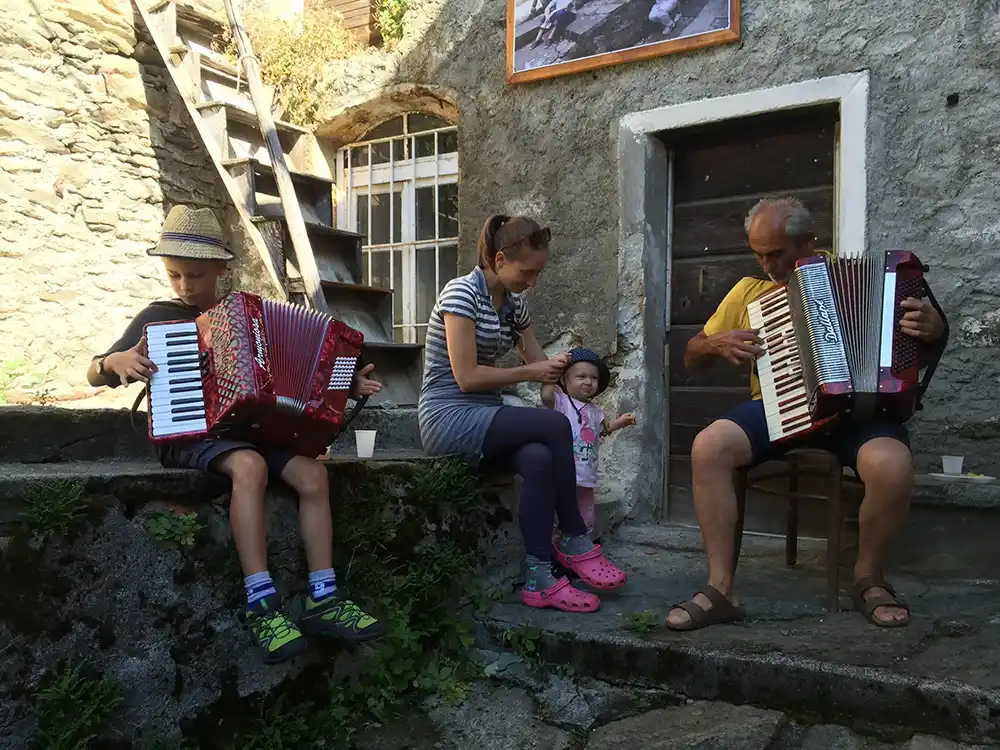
x,y
585,419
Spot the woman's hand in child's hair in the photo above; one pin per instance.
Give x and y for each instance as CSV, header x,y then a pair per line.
x,y
547,371
362,385
131,365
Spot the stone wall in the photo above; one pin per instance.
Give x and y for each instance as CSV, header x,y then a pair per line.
x,y
95,147
550,149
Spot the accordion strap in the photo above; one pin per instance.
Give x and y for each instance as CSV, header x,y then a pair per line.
x,y
935,350
135,408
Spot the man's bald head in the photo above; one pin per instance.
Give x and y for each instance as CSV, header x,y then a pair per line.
x,y
780,232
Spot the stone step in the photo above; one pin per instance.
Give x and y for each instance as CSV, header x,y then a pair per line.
x,y
51,436
940,675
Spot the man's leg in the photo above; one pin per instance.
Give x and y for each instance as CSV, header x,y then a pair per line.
x,y
885,466
720,449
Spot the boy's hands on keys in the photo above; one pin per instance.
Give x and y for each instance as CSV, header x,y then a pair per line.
x,y
362,385
131,365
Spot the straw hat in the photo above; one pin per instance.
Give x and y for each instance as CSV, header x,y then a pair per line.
x,y
191,233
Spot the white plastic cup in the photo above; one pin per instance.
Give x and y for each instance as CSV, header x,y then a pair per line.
x,y
366,442
952,464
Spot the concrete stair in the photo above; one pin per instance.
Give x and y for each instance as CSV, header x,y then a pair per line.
x,y
940,675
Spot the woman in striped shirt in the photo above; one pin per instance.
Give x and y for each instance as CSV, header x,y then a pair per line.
x,y
477,319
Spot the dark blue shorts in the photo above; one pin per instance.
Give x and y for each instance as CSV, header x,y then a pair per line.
x,y
204,454
844,440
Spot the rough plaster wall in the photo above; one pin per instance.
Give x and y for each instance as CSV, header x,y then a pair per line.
x,y
95,146
549,148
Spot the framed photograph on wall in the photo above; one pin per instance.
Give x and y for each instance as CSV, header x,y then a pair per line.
x,y
548,38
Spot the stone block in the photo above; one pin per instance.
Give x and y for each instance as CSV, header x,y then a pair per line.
x,y
831,737
708,726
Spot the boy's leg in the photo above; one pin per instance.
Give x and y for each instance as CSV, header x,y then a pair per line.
x,y
276,634
327,610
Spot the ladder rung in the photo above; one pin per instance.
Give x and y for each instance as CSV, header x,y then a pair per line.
x,y
249,117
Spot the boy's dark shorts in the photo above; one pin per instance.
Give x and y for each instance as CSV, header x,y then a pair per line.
x,y
843,441
204,455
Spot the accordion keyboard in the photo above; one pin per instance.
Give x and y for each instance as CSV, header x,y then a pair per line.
x,y
779,368
176,398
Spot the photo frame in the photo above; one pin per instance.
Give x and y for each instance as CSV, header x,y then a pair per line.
x,y
549,38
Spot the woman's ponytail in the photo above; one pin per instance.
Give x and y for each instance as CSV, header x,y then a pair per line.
x,y
487,240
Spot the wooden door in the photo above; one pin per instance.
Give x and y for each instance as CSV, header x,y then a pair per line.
x,y
719,172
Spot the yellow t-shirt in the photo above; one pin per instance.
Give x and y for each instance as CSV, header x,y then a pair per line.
x,y
732,315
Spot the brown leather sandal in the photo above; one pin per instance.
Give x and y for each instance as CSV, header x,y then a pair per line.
x,y
868,607
722,611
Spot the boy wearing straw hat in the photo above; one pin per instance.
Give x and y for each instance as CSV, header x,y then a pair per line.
x,y
194,254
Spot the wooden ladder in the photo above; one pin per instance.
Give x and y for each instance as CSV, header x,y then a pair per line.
x,y
187,62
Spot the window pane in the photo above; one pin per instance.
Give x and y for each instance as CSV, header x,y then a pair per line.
x,y
419,123
426,284
380,270
401,149
422,335
385,130
448,268
448,142
379,234
423,145
448,210
380,152
397,286
424,199
359,156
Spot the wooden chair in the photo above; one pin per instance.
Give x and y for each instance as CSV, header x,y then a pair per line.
x,y
796,465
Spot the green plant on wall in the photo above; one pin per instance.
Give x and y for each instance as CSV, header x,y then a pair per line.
x,y
54,507
389,15
178,528
293,56
73,709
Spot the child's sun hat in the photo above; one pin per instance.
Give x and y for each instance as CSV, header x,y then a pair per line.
x,y
582,354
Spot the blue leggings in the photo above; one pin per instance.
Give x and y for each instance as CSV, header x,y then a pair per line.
x,y
537,444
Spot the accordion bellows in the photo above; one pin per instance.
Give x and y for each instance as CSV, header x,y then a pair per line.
x,y
833,346
269,372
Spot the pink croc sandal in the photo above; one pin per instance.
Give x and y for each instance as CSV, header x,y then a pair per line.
x,y
561,596
593,568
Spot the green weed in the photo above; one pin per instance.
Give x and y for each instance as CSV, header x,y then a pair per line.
x,y
54,507
641,622
178,528
73,710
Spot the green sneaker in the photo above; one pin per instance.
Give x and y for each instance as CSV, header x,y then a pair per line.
x,y
276,634
340,617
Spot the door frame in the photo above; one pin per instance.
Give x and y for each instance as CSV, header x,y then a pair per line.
x,y
645,182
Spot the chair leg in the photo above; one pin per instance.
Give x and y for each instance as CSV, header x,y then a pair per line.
x,y
792,518
740,485
834,519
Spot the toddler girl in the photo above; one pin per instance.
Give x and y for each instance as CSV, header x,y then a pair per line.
x,y
585,377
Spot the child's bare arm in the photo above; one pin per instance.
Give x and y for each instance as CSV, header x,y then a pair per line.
x,y
548,396
611,425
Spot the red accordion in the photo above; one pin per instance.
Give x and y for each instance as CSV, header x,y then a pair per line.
x,y
268,372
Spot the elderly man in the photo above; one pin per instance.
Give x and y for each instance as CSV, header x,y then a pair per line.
x,y
780,233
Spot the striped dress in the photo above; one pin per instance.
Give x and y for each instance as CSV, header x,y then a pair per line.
x,y
452,422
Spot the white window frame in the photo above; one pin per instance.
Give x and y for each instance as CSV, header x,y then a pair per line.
x,y
405,177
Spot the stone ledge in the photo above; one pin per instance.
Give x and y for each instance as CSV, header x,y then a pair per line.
x,y
49,434
928,491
